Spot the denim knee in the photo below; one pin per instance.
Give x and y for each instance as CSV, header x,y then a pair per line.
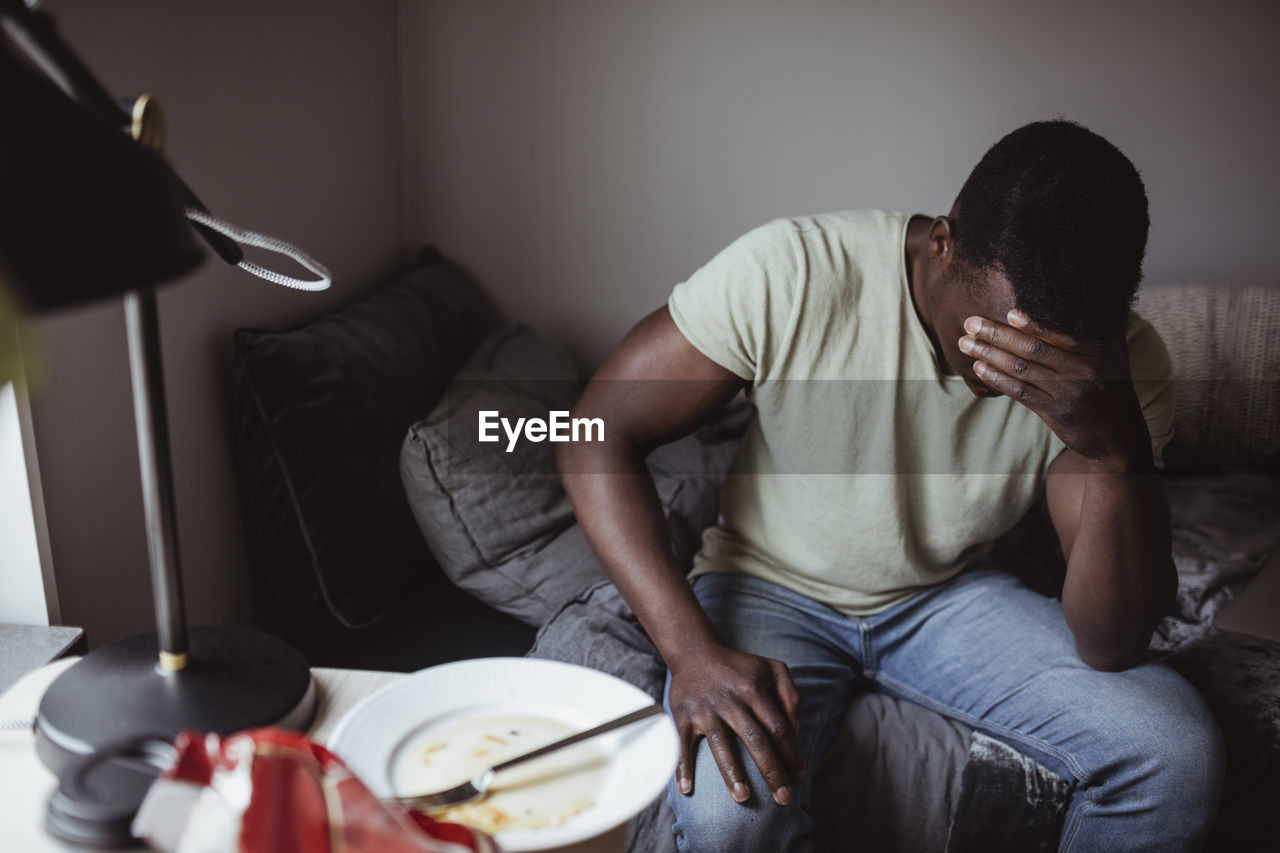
x,y
736,828
709,821
1171,759
1188,758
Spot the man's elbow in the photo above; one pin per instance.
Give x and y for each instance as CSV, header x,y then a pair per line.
x,y
1113,648
1112,660
1121,641
596,444
577,457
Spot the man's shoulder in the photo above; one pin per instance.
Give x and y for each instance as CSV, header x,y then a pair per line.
x,y
859,217
867,221
860,224
1148,355
846,251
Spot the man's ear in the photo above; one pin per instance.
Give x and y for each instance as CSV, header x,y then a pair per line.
x,y
942,243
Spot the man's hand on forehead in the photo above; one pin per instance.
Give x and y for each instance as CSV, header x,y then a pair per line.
x,y
1022,351
1082,391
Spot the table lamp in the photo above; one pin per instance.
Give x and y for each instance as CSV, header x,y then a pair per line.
x,y
89,210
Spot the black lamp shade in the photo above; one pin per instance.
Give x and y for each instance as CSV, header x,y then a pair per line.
x,y
85,211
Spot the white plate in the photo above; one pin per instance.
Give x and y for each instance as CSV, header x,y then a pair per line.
x,y
641,758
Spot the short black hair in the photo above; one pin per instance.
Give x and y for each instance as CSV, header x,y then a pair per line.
x,y
1062,214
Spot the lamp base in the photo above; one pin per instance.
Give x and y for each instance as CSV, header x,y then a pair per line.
x,y
235,678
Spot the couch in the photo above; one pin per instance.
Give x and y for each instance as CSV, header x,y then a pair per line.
x,y
389,539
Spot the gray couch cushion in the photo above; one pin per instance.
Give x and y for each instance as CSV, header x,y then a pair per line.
x,y
498,522
484,512
891,778
1222,343
597,629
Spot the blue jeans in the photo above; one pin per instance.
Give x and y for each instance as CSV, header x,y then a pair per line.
x,y
1141,746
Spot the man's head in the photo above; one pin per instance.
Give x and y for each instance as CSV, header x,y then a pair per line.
x,y
1052,221
1061,214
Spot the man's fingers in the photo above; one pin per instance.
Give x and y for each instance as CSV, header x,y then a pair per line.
x,y
684,766
760,743
782,738
786,689
1024,392
1026,346
1021,321
720,742
790,698
743,699
1008,363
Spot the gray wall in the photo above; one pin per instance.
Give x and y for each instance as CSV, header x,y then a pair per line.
x,y
283,117
583,156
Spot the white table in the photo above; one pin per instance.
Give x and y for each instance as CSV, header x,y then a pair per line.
x,y
28,647
25,783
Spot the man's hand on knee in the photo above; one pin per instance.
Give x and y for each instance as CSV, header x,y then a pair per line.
x,y
721,694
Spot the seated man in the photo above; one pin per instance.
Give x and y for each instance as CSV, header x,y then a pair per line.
x,y
917,382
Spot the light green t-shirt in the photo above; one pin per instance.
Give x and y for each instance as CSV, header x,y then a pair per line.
x,y
866,475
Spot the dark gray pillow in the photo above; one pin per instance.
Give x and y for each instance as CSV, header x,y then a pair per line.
x,y
498,523
320,412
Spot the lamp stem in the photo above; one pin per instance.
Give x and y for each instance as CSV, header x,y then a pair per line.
x,y
143,326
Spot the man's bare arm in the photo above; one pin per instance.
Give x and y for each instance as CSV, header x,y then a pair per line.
x,y
1104,493
655,388
1114,528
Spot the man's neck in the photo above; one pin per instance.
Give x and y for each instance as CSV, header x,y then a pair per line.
x,y
917,263
917,253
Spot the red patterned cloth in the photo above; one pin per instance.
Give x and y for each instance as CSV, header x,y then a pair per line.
x,y
273,791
